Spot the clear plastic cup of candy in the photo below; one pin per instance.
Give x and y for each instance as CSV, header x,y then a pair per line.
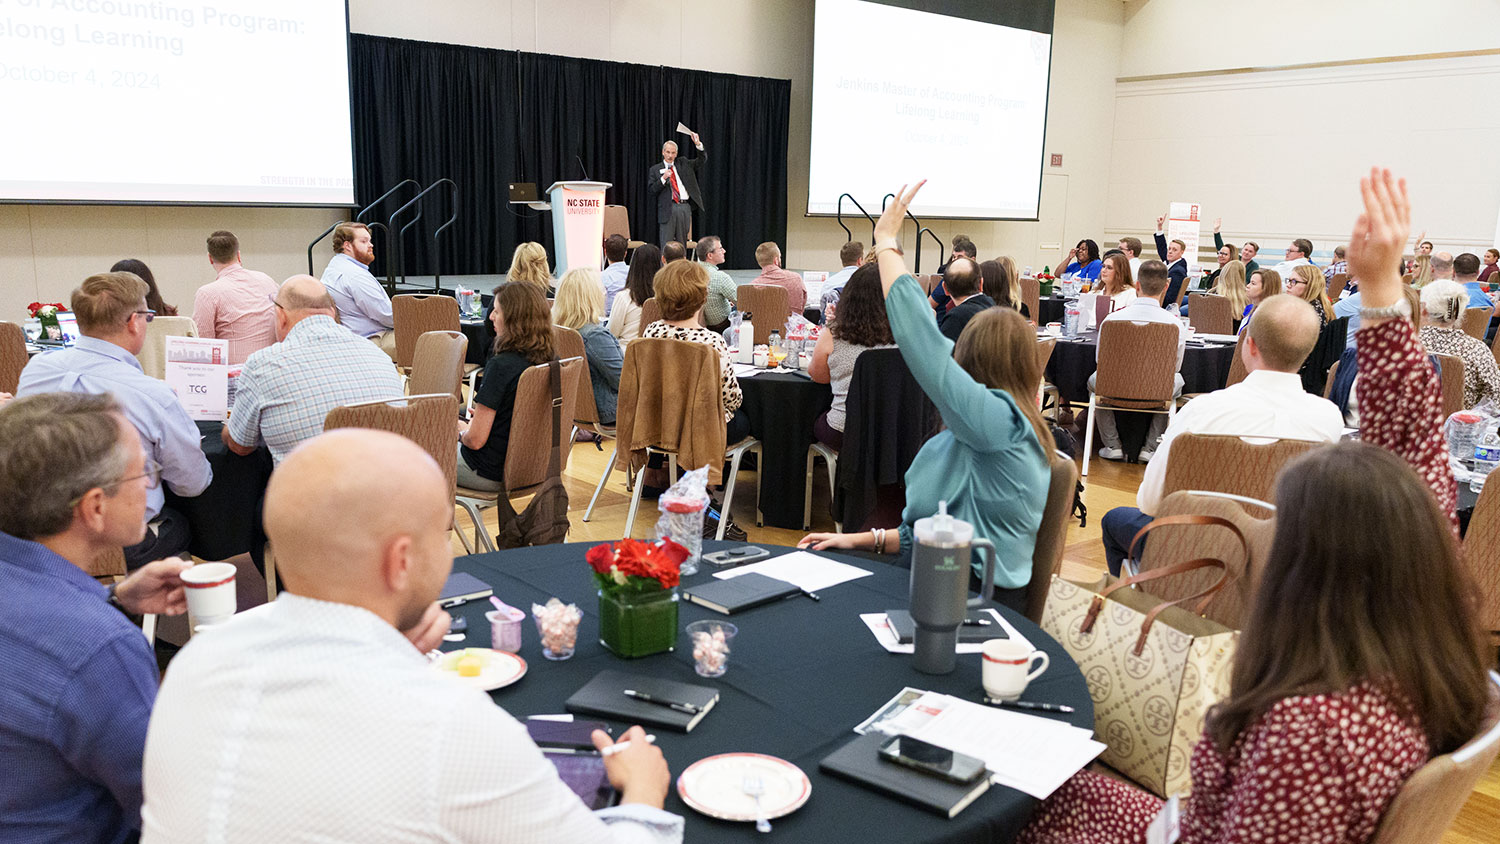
x,y
557,624
711,646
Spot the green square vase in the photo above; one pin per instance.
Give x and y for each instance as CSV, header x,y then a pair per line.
x,y
635,624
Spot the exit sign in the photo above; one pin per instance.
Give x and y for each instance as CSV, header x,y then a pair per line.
x,y
1056,159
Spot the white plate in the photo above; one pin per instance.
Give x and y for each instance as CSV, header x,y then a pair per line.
x,y
1219,338
714,786
501,668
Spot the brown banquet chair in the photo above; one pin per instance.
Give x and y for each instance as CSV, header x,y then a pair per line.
x,y
415,314
1210,314
1137,365
12,356
768,307
1052,535
1477,321
1228,463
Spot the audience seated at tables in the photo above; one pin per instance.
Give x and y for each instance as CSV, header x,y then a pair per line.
x,y
1116,281
615,270
681,289
363,305
153,295
991,461
1325,722
1263,284
1421,270
80,678
236,306
285,390
1227,253
1297,255
1466,272
1145,307
1230,284
1442,266
1270,402
851,257
674,250
1491,261
1339,264
316,719
579,306
1003,284
768,256
963,247
523,338
1083,261
1131,246
1247,252
1443,305
529,264
965,284
112,317
723,293
859,325
1343,391
625,311
1177,266
1306,283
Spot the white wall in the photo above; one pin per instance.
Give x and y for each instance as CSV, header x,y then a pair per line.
x,y
1278,153
46,250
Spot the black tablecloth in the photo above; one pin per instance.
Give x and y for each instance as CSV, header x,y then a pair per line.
x,y
782,408
1204,368
1467,498
480,340
801,676
1052,310
222,518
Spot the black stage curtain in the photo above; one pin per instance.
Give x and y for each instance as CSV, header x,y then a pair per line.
x,y
484,118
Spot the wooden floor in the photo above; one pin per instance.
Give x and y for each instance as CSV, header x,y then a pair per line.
x,y
1108,485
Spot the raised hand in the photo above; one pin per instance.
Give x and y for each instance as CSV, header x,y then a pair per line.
x,y
1159,220
1218,222
888,227
1379,238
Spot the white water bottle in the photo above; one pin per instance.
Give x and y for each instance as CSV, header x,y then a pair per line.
x,y
746,351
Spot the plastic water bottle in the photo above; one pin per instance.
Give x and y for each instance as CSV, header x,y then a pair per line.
x,y
1486,458
773,343
1071,318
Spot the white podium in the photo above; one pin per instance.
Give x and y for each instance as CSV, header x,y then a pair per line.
x,y
577,224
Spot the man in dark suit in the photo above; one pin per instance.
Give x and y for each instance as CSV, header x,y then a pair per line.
x,y
1177,266
675,187
965,285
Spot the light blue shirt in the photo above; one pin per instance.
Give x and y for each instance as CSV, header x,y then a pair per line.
x,y
1477,297
1348,307
613,279
833,288
286,389
167,432
986,462
363,305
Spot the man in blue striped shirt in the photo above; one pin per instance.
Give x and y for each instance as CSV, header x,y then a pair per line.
x,y
80,679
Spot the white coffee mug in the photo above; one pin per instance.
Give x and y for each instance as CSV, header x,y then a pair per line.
x,y
210,593
1005,668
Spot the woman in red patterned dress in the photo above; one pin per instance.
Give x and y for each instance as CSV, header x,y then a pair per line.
x,y
1362,657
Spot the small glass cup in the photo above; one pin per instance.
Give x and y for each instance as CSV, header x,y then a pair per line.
x,y
711,646
559,640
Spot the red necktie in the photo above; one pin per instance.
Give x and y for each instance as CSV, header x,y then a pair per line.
x,y
672,177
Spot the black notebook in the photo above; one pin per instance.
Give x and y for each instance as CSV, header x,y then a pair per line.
x,y
463,587
605,695
859,762
905,629
742,592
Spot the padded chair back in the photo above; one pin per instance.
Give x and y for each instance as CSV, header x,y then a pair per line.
x,y
1451,378
12,356
1329,348
153,356
1031,297
426,420
1052,536
437,364
1103,307
887,418
109,563
567,343
1482,555
1044,351
1333,377
768,307
1177,543
650,312
672,417
929,282
416,314
1237,368
1137,362
1227,463
530,443
1429,801
1210,314
1337,285
1477,322
617,221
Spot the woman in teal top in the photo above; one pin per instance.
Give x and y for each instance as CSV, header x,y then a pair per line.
x,y
991,460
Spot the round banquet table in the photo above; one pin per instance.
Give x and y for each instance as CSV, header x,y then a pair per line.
x,y
782,407
223,517
479,340
1051,308
801,675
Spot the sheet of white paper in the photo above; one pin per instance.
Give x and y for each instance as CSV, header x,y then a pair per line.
x,y
1026,752
807,571
746,370
887,637
683,129
197,370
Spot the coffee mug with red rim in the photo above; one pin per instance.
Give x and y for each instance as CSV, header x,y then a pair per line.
x,y
1006,668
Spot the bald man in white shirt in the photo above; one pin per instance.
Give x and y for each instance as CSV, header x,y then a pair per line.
x,y
315,719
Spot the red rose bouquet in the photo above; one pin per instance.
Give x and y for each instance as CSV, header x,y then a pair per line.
x,y
632,565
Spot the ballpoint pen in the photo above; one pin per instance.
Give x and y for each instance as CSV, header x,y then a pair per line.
x,y
672,704
1031,704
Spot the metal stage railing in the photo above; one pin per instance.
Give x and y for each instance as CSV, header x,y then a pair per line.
x,y
840,217
921,230
399,251
358,218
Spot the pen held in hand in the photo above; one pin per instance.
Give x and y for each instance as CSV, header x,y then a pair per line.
x,y
620,746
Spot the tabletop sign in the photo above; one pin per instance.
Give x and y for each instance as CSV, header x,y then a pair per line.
x,y
1184,220
197,370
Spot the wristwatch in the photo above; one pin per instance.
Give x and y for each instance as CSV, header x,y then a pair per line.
x,y
114,600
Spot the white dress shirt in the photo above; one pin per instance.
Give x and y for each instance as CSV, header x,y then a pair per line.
x,y
1284,269
309,721
1265,404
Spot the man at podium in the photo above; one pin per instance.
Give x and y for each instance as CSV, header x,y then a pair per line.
x,y
674,184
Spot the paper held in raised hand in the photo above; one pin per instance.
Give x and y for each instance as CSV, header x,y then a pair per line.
x,y
683,129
